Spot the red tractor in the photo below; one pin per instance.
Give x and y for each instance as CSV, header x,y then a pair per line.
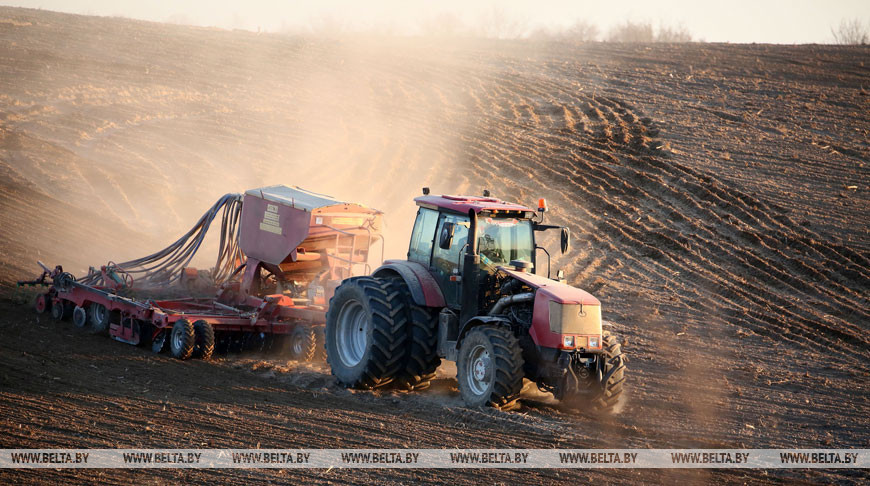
x,y
467,294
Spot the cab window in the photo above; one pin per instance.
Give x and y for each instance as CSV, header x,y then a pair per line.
x,y
446,261
504,239
423,236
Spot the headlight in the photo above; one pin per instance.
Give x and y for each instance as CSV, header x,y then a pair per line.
x,y
594,342
568,341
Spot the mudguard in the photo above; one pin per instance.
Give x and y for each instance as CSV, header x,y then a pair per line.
x,y
424,289
478,321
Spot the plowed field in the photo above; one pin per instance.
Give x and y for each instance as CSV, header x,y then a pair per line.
x,y
717,195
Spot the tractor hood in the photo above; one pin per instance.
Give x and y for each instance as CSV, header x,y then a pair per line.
x,y
555,291
562,311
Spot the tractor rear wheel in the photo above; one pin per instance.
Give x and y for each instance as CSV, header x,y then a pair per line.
x,y
203,342
366,332
489,368
100,318
423,357
182,339
612,377
80,316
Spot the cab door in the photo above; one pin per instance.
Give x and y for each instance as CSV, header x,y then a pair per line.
x,y
447,262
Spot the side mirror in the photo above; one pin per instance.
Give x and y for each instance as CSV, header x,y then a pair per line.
x,y
566,240
446,236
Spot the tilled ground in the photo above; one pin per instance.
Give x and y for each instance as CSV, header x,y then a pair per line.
x,y
64,388
718,196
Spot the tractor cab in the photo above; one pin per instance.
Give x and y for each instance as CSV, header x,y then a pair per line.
x,y
504,237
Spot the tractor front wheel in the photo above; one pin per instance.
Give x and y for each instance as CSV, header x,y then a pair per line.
x,y
489,368
366,332
612,375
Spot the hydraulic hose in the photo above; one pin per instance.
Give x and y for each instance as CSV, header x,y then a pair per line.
x,y
164,267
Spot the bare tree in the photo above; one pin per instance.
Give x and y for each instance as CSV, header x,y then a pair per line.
x,y
643,32
579,31
851,32
673,34
631,32
582,31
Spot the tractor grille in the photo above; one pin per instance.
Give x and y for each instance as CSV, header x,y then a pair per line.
x,y
575,319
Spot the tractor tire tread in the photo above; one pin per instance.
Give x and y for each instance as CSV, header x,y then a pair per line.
x,y
508,366
609,397
204,340
388,320
423,360
189,339
99,326
309,346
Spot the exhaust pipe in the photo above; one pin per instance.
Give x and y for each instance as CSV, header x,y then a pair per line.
x,y
510,300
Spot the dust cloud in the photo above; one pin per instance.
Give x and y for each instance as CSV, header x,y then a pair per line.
x,y
135,130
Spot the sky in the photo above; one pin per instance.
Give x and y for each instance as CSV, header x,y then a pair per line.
x,y
738,21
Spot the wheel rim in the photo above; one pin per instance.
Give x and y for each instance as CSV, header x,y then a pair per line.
x,y
41,303
177,339
99,313
80,318
352,333
479,370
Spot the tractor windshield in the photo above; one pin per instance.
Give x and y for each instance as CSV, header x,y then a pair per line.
x,y
504,239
